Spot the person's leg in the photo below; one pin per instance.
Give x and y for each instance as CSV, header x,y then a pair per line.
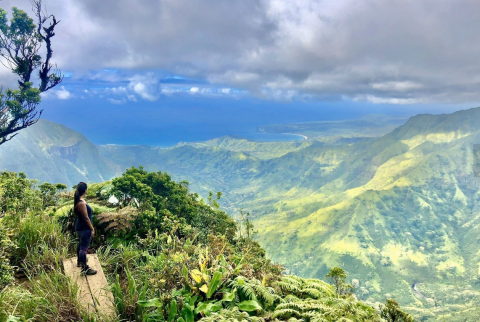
x,y
78,246
83,245
78,253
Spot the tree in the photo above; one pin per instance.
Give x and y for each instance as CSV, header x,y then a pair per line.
x,y
337,277
163,203
391,312
49,193
247,224
20,43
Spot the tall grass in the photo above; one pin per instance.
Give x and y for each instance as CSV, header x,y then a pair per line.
x,y
50,296
40,242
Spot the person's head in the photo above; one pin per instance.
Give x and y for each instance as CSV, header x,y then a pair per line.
x,y
79,192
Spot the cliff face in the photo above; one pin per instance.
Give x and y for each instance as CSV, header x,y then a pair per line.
x,y
52,152
66,152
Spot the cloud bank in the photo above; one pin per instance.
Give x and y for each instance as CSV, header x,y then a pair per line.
x,y
398,52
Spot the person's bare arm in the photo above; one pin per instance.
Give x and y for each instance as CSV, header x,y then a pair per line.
x,y
82,208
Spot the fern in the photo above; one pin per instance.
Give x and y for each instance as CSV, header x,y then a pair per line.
x,y
316,301
120,221
233,315
254,290
286,314
244,288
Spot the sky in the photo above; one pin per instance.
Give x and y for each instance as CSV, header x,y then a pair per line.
x,y
211,67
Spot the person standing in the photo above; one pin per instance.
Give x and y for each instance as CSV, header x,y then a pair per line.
x,y
83,227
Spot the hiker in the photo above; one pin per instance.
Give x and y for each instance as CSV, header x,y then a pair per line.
x,y
83,227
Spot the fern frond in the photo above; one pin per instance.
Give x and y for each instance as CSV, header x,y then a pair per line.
x,y
286,314
120,221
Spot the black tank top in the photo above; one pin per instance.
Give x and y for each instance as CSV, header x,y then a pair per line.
x,y
80,223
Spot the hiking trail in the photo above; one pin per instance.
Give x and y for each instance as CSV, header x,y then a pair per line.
x,y
93,291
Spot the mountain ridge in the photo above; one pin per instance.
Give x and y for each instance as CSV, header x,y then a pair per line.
x,y
394,211
52,152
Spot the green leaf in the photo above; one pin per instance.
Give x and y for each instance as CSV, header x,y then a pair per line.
x,y
173,311
249,306
187,312
208,307
193,299
12,318
214,307
153,317
201,307
228,296
212,286
150,303
180,320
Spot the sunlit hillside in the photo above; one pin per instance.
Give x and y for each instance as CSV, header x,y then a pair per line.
x,y
398,212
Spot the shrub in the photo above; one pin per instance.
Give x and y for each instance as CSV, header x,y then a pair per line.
x,y
164,205
17,195
6,247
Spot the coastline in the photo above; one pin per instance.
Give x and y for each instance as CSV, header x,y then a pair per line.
x,y
303,136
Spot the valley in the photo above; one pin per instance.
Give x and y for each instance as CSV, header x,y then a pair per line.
x,y
397,209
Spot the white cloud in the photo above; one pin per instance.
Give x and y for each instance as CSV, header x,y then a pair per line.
x,y
393,50
194,89
391,100
146,86
62,93
116,101
397,86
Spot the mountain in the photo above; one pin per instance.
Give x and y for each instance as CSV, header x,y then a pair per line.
x,y
52,152
399,212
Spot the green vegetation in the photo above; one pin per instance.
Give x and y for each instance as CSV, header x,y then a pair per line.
x,y
51,152
168,256
399,212
21,43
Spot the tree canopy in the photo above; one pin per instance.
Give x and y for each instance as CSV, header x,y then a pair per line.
x,y
21,41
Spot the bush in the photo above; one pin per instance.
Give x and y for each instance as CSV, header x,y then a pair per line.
x,y
6,247
164,205
18,194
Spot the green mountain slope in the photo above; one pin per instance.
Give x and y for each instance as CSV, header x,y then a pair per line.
x,y
400,209
52,152
398,212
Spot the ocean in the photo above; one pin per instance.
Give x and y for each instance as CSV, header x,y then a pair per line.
x,y
167,122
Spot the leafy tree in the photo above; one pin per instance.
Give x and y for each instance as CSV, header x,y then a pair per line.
x,y
17,194
391,312
337,277
246,223
166,205
214,202
21,41
49,193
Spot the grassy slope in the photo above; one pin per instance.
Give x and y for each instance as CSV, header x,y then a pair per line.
x,y
393,211
54,153
400,209
409,200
